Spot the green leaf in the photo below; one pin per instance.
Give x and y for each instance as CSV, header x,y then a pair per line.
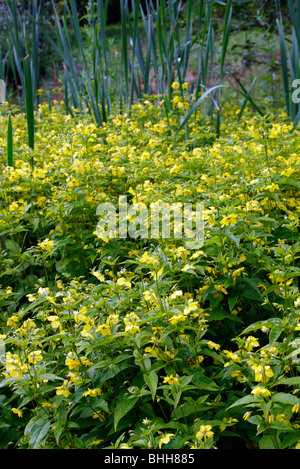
x,y
269,323
203,382
285,398
9,142
123,406
59,428
246,100
196,105
50,377
232,302
290,381
190,408
275,333
249,289
218,314
289,440
36,430
267,442
151,380
29,101
245,401
2,91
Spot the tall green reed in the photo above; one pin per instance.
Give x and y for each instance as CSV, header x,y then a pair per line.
x,y
23,39
9,141
290,57
152,42
158,43
29,100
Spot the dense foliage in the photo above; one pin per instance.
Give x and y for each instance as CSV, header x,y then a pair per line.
x,y
113,343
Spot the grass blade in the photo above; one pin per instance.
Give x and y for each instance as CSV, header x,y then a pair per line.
x,y
123,7
2,91
296,120
284,66
29,101
196,105
246,100
9,142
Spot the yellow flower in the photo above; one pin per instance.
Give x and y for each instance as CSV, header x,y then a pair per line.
x,y
72,364
296,408
48,405
227,422
237,272
46,245
123,282
96,442
178,293
157,273
35,357
254,133
262,373
132,328
149,295
175,85
92,392
125,446
99,276
259,391
17,411
104,329
221,288
112,319
63,390
86,334
146,259
177,318
233,357
247,415
272,187
187,267
12,321
153,351
250,343
165,439
229,220
213,345
171,380
204,432
54,321
192,306
31,297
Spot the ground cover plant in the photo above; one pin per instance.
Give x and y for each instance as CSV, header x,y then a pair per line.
x,y
199,346
146,342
